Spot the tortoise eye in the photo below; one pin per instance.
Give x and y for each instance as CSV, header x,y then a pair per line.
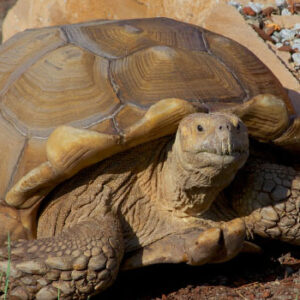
x,y
200,128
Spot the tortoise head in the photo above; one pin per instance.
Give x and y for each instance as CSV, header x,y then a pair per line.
x,y
212,140
208,151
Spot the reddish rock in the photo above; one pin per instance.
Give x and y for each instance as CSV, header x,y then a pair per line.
x,y
269,30
286,48
268,11
263,34
248,11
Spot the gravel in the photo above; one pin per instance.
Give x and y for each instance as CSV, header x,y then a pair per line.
x,y
259,16
257,7
287,34
280,2
296,58
286,12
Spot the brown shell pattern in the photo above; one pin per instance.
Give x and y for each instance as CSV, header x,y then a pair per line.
x,y
104,75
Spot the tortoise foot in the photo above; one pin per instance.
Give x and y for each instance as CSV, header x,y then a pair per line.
x,y
268,195
82,261
195,247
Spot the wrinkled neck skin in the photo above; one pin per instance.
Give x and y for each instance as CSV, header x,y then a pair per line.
x,y
188,187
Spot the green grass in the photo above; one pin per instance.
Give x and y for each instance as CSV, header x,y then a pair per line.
x,y
1,276
7,269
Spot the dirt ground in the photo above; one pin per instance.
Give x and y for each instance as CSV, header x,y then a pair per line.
x,y
275,274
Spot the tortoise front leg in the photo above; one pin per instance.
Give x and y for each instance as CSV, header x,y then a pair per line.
x,y
194,247
83,260
268,196
69,149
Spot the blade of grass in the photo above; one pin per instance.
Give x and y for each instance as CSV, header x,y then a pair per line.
x,y
58,294
8,268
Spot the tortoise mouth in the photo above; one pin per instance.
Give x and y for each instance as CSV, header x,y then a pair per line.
x,y
225,152
223,157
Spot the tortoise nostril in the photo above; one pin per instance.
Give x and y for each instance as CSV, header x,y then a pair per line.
x,y
221,127
227,126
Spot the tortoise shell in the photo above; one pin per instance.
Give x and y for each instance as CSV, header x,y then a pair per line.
x,y
104,75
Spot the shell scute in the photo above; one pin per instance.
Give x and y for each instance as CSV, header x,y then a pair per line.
x,y
142,77
252,74
24,49
68,85
12,147
115,39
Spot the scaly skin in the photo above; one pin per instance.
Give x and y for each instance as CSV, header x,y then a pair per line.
x,y
150,195
269,196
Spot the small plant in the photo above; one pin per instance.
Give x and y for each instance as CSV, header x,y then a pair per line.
x,y
58,294
7,269
1,276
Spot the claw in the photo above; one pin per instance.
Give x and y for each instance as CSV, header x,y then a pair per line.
x,y
206,247
234,234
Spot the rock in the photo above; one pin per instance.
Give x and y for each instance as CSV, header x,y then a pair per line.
x,y
268,11
286,21
263,34
235,4
247,10
296,46
287,34
286,48
280,2
257,7
286,12
296,58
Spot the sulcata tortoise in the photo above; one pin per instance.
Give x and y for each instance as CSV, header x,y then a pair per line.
x,y
118,138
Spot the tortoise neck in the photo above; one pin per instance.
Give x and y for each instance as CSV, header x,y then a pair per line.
x,y
184,191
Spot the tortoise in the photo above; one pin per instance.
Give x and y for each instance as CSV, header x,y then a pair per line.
x,y
93,174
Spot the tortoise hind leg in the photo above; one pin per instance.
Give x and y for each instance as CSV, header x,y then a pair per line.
x,y
81,261
268,196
